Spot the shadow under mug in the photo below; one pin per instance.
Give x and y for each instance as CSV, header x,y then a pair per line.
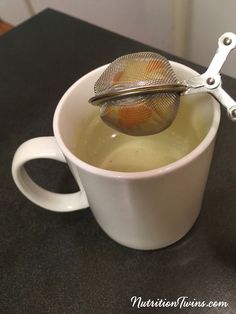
x,y
142,210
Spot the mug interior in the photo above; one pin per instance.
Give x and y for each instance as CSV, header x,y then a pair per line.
x,y
74,109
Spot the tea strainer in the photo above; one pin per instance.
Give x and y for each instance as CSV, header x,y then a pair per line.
x,y
139,94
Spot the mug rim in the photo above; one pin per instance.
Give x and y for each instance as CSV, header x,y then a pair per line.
x,y
197,151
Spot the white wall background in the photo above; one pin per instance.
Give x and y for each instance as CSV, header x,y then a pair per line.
x,y
187,28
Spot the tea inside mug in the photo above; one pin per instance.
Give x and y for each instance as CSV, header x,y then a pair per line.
x,y
101,146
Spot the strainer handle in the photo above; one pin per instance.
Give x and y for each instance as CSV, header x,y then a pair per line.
x,y
218,93
226,43
210,81
211,78
226,101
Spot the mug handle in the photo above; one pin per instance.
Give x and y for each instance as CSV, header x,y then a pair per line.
x,y
44,147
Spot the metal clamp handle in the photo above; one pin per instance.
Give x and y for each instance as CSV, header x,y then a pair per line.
x,y
226,43
210,81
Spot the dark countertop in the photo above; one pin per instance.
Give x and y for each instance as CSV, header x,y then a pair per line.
x,y
64,263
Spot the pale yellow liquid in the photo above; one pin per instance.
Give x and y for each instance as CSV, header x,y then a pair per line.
x,y
103,147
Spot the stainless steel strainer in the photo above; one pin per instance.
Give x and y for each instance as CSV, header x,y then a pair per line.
x,y
139,93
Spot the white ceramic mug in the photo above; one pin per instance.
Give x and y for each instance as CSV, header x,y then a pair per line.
x,y
142,210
